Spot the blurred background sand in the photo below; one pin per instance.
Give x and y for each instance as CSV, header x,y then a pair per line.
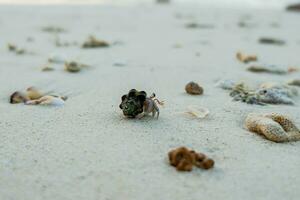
x,y
87,150
230,3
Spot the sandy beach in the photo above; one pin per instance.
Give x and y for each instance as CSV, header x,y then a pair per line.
x,y
88,150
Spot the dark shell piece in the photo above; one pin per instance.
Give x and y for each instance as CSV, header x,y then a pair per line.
x,y
132,103
18,97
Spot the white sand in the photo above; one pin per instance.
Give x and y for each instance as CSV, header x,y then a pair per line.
x,y
86,150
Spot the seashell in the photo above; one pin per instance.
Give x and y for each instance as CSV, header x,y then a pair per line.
x,y
120,64
274,96
245,58
92,42
33,93
53,29
266,69
290,91
18,97
197,112
53,100
57,59
47,69
48,100
132,104
226,84
72,67
20,51
274,41
14,48
199,26
193,88
274,127
11,47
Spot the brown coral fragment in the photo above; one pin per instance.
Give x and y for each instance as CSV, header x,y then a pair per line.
x,y
193,88
245,58
274,126
184,159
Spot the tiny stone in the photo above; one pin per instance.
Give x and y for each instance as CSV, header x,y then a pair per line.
x,y
193,88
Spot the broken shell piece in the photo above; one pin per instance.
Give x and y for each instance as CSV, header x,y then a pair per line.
x,y
48,100
199,26
14,48
33,93
20,51
60,43
72,67
295,82
120,64
193,88
274,126
18,97
53,29
245,58
11,47
273,41
92,42
56,59
47,69
268,69
197,112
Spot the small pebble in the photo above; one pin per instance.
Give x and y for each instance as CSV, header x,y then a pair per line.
x,y
193,88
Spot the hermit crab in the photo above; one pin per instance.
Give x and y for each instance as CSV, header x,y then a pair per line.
x,y
137,104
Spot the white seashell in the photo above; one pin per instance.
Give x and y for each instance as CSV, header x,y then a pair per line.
x,y
57,59
226,84
48,100
197,112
